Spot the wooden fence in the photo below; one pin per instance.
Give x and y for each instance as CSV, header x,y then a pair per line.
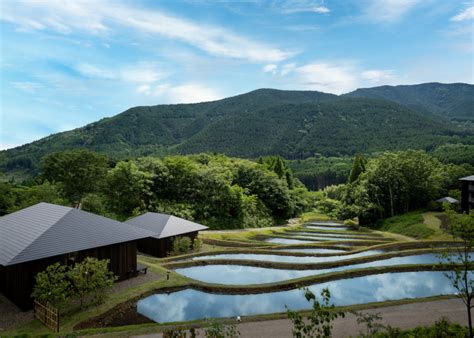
x,y
48,315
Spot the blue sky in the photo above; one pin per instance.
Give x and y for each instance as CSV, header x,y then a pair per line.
x,y
67,63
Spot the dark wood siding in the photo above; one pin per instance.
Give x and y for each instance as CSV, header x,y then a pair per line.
x,y
467,196
17,281
160,247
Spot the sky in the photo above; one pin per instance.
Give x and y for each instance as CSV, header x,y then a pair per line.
x,y
66,63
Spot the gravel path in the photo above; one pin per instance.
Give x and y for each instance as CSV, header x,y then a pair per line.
x,y
403,316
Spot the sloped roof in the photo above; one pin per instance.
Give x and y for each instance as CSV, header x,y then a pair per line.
x,y
467,178
447,199
163,225
46,230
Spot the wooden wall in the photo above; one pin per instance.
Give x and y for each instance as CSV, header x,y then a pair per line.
x,y
160,247
17,281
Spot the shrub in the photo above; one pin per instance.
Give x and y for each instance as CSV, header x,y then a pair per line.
x,y
52,286
218,330
197,244
181,245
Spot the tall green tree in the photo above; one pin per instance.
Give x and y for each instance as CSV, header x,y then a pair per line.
x,y
77,172
358,167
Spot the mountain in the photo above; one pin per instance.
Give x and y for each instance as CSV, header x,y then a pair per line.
x,y
452,101
294,124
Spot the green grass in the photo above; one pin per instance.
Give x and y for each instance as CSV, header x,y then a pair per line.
x,y
410,224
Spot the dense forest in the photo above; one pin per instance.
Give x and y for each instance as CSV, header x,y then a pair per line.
x,y
453,101
216,190
392,183
293,124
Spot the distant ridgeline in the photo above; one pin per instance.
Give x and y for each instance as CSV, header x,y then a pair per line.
x,y
326,129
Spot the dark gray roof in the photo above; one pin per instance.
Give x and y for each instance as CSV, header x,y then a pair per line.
x,y
468,178
163,225
447,199
46,230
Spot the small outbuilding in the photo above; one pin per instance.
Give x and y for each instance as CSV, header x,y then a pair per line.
x,y
165,229
33,238
447,199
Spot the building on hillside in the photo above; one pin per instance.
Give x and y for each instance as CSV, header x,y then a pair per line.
x,y
447,199
165,228
33,238
467,193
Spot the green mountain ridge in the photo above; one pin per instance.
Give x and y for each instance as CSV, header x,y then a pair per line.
x,y
293,124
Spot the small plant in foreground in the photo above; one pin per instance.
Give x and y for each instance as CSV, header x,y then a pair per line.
x,y
219,330
318,323
370,320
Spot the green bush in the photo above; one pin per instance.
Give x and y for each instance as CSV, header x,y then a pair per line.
x,y
197,244
181,245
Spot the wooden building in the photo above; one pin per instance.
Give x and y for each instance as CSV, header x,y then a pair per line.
x,y
165,229
467,193
36,237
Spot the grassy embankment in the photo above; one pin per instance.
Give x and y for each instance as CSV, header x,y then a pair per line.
x,y
418,225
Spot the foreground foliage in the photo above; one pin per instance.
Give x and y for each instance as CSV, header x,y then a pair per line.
x,y
318,323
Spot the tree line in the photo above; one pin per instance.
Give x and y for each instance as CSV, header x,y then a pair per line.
x,y
216,190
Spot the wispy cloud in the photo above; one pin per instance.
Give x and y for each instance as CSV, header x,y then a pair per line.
x,y
301,6
101,17
389,10
139,73
302,28
29,87
377,76
465,14
271,68
182,93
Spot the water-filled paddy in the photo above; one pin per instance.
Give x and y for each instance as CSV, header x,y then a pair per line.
x,y
190,304
329,224
322,234
325,238
288,259
312,250
318,227
246,275
287,241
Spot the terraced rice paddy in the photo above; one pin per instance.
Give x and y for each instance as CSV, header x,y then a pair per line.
x,y
246,275
313,257
190,304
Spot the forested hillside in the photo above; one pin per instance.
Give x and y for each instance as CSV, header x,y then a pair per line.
x,y
292,124
453,101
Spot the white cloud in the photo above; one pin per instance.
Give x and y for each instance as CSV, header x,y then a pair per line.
x,y
287,68
29,87
378,76
139,73
300,6
183,93
102,17
326,77
466,14
389,10
271,68
302,28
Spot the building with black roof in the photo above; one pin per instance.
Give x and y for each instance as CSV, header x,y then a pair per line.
x,y
165,229
33,238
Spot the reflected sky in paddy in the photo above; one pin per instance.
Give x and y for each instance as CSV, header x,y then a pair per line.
x,y
190,304
331,228
245,275
287,241
342,234
312,250
287,259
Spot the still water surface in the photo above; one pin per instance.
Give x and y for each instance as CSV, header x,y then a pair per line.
x,y
190,304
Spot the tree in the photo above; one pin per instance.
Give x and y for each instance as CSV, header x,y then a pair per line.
x,y
358,167
77,172
128,188
319,322
52,285
91,277
462,228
